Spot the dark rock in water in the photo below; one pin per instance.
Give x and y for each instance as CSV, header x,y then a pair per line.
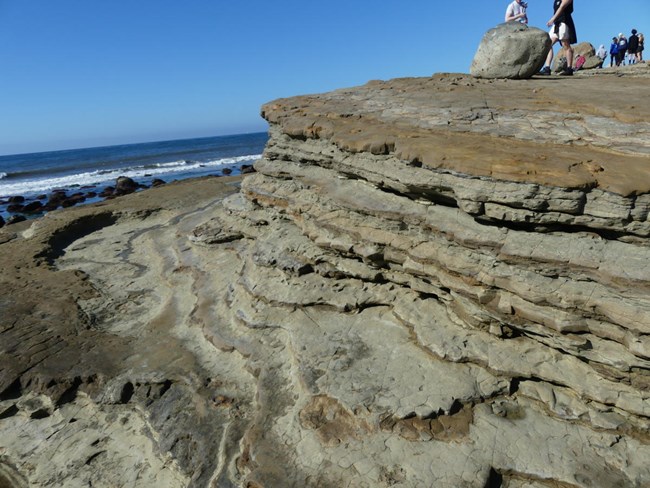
x,y
73,200
16,199
15,207
2,221
226,171
109,190
87,187
14,219
157,182
125,185
42,196
91,194
55,199
33,207
247,168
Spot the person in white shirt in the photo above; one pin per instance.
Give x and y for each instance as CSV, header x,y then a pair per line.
x,y
517,11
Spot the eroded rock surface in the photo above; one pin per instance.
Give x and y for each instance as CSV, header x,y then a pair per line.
x,y
427,282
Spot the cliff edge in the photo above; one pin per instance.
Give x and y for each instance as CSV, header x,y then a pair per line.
x,y
428,282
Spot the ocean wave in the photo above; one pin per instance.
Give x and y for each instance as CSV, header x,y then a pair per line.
x,y
3,175
105,177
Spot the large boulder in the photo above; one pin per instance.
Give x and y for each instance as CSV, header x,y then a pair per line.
x,y
511,50
586,49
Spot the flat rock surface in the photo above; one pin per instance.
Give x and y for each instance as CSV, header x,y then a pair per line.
x,y
587,130
427,282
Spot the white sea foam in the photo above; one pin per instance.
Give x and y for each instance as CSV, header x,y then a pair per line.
x,y
2,175
105,177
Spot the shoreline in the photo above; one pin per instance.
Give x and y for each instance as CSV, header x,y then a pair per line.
x,y
19,208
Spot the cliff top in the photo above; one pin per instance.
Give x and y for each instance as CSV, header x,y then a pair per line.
x,y
588,131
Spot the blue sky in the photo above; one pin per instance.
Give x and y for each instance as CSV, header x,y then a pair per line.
x,y
80,73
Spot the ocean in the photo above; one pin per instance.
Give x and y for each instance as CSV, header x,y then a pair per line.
x,y
93,169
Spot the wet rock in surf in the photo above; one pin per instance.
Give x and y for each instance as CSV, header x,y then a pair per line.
x,y
33,207
125,185
15,207
14,219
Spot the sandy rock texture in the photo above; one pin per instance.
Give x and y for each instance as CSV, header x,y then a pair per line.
x,y
428,282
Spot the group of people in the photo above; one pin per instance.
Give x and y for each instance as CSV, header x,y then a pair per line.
x,y
626,50
563,29
622,50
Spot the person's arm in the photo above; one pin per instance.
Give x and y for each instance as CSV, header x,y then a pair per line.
x,y
560,9
510,14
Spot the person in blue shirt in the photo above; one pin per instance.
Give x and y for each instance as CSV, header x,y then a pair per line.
x,y
613,52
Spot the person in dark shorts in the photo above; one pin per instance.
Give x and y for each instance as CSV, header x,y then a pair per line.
x,y
632,46
563,30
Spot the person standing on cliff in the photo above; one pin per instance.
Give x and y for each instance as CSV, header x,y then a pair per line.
x,y
622,49
517,11
613,52
632,46
639,51
563,29
602,55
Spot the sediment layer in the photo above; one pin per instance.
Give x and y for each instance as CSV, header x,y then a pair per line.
x,y
428,282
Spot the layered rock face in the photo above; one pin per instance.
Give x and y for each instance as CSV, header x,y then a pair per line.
x,y
428,282
482,266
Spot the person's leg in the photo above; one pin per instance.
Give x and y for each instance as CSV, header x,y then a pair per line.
x,y
549,58
569,52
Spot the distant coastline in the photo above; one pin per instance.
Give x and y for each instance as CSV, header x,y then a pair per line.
x,y
90,174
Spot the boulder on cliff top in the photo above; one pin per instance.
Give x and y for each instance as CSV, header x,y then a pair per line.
x,y
511,50
585,49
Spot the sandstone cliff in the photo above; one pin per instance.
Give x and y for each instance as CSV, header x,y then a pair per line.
x,y
428,282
